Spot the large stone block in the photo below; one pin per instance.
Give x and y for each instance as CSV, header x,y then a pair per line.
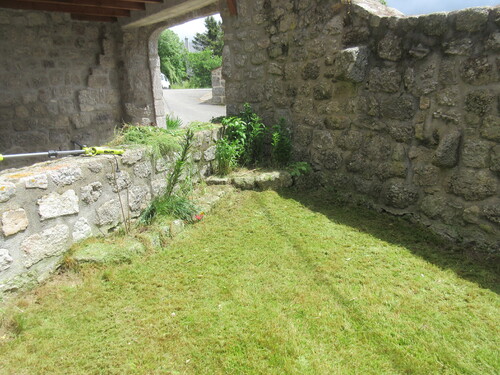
x,y
385,79
471,20
66,175
109,213
351,64
446,154
389,48
138,199
491,128
81,230
7,191
495,159
473,185
119,180
55,205
477,71
14,221
39,181
5,260
399,108
475,153
50,242
399,194
91,193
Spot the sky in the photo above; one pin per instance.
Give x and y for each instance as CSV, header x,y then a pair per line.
x,y
408,7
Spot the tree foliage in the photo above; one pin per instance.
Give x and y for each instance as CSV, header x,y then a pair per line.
x,y
212,38
201,64
172,56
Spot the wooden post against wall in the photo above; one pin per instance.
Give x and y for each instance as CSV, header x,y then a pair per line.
x,y
233,10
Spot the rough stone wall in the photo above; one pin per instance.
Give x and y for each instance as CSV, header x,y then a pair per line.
x,y
59,81
218,87
402,112
47,207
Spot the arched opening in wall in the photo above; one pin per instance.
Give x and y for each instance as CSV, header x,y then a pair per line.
x,y
186,66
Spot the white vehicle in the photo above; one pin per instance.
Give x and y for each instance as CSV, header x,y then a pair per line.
x,y
165,83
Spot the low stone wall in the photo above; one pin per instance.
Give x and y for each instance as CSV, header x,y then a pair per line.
x,y
47,207
401,112
218,87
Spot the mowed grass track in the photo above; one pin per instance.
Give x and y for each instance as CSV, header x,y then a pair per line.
x,y
266,285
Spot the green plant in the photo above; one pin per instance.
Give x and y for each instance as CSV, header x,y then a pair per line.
x,y
281,144
201,64
299,168
172,55
226,156
173,122
166,203
159,141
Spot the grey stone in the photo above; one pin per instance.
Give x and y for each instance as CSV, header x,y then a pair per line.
x,y
14,221
109,213
38,181
399,108
446,154
5,260
216,180
81,230
491,128
55,205
138,198
159,186
273,180
493,43
471,20
436,207
351,64
7,191
209,153
477,71
399,194
479,102
48,243
322,92
176,227
495,159
131,157
91,193
66,175
119,180
389,48
426,175
471,214
473,185
475,153
458,47
310,71
448,117
448,97
143,169
244,182
385,79
492,213
94,167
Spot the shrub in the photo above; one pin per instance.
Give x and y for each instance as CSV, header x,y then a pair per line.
x,y
281,144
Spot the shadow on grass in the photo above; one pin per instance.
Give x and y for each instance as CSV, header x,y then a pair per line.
x,y
483,269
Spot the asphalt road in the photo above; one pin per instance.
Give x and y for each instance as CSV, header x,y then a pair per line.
x,y
192,105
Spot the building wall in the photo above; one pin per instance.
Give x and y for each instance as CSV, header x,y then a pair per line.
x,y
399,112
60,80
47,207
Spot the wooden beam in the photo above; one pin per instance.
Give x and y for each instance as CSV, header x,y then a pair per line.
x,y
112,4
146,1
233,10
82,17
75,9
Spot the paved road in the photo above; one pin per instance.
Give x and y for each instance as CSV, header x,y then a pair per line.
x,y
191,105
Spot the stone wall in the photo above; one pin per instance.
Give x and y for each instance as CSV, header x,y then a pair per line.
x,y
401,112
59,81
218,87
47,207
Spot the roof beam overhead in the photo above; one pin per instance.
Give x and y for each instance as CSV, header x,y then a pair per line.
x,y
112,4
66,8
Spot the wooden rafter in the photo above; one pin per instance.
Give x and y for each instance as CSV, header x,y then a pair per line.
x,y
233,10
67,8
111,4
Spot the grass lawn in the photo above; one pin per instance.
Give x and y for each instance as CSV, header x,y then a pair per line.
x,y
268,284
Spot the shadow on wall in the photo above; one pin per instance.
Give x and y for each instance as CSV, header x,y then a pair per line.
x,y
483,269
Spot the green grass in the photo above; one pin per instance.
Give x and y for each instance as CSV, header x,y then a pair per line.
x,y
268,284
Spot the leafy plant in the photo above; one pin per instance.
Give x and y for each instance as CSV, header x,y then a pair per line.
x,y
299,168
201,64
226,155
173,122
212,38
172,55
168,204
281,144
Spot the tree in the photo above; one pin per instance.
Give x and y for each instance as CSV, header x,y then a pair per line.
x,y
202,63
172,56
212,38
